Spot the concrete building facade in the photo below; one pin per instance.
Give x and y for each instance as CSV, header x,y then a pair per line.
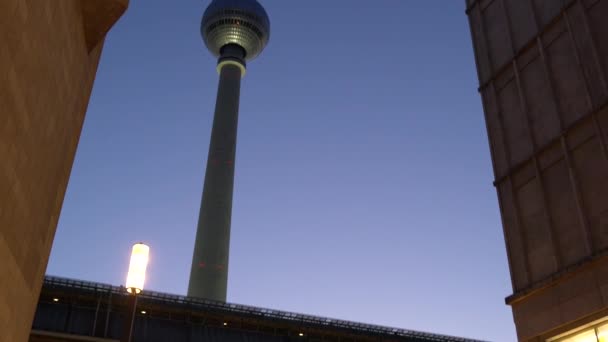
x,y
49,52
542,67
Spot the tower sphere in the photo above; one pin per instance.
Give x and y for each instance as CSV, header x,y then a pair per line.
x,y
241,22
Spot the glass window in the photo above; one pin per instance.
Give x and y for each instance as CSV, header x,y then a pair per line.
x,y
585,336
602,332
594,332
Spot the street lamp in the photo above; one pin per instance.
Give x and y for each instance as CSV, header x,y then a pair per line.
x,y
135,284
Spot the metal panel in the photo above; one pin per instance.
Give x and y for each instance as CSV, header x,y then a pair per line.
x,y
588,59
596,12
537,92
522,22
563,209
542,75
479,42
496,35
540,249
542,66
515,130
568,81
593,180
494,126
518,255
547,10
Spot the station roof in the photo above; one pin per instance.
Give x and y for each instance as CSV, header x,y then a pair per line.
x,y
241,317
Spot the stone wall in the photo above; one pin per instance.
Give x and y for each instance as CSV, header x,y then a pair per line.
x,y
48,60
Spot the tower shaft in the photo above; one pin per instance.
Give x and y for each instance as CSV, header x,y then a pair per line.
x,y
209,273
236,31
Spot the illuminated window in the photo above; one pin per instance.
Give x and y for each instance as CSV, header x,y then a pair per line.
x,y
585,336
594,332
602,332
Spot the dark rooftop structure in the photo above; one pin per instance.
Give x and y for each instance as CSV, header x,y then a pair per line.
x,y
74,310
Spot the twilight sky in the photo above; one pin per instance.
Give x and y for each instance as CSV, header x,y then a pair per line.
x,y
363,185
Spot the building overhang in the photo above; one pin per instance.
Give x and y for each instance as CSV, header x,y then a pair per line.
x,y
98,18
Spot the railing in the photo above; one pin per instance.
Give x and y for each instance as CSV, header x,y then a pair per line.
x,y
210,305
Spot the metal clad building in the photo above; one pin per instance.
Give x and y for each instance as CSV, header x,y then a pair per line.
x,y
73,310
542,67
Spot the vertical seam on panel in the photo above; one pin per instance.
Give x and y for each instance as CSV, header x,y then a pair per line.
x,y
551,142
509,33
602,71
574,177
564,144
524,108
578,61
520,228
594,48
598,129
537,171
584,220
528,45
508,238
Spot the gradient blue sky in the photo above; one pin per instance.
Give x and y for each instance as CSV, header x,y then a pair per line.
x,y
363,183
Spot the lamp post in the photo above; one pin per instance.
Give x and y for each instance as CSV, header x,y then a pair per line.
x,y
135,284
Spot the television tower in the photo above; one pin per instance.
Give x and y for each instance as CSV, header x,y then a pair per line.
x,y
236,31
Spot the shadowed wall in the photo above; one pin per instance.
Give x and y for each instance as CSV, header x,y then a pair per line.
x,y
542,71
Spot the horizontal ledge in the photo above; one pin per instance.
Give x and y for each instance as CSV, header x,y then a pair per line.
x,y
553,279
